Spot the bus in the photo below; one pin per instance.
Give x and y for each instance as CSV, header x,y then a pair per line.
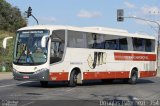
x,y
74,54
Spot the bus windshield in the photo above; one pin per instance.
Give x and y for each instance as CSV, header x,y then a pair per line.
x,y
28,50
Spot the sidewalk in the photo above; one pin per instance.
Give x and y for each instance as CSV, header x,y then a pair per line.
x,y
6,75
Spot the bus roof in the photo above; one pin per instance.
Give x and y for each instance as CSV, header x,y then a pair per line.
x,y
100,30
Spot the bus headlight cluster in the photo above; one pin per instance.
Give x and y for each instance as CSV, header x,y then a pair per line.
x,y
15,71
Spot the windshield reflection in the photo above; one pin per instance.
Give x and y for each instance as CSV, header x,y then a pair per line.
x,y
28,48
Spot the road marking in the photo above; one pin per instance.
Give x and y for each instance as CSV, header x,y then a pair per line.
x,y
27,104
69,90
14,84
134,98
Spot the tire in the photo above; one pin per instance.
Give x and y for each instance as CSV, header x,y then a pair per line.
x,y
73,79
44,83
134,77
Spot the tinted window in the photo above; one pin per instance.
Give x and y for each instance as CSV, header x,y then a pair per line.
x,y
123,44
149,45
76,39
111,44
138,44
115,43
95,41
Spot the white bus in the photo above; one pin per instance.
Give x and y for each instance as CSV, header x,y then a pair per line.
x,y
64,53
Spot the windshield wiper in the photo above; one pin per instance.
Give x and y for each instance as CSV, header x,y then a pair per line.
x,y
21,54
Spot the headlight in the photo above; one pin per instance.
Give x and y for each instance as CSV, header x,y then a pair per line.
x,y
14,70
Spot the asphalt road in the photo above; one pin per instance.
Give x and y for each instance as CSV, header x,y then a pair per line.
x,y
91,93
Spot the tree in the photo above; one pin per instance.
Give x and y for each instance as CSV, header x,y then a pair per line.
x,y
11,18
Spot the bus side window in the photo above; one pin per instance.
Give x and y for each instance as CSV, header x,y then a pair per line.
x,y
123,45
138,44
111,44
97,41
76,39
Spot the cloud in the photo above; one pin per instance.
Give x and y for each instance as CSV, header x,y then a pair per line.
x,y
47,20
89,14
129,5
151,10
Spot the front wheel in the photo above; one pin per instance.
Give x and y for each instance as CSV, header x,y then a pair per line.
x,y
73,79
134,77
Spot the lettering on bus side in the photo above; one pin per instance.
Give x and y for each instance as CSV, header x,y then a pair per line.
x,y
99,58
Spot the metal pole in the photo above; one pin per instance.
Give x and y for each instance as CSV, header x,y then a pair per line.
x,y
35,19
145,20
158,47
158,34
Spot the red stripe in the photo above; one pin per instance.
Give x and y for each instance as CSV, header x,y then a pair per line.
x,y
59,76
63,76
105,75
114,75
148,73
134,56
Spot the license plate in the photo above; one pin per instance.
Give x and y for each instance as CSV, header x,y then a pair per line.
x,y
26,77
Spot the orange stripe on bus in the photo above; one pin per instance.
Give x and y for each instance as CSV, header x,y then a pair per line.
x,y
115,75
105,75
63,76
134,56
59,76
148,73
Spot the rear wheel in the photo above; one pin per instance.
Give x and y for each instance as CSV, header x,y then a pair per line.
x,y
134,77
73,79
44,83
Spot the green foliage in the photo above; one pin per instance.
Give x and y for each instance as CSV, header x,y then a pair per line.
x,y
6,55
10,17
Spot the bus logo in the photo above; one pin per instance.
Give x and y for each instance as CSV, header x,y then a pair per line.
x,y
99,58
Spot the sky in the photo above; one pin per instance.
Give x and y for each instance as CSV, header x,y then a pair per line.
x,y
102,13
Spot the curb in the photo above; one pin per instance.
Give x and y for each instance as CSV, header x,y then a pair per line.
x,y
6,75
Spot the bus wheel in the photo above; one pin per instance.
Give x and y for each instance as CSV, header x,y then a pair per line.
x,y
73,79
44,83
134,77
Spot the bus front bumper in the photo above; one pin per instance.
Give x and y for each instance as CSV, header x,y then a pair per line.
x,y
40,75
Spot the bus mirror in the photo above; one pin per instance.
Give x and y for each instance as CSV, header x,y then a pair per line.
x,y
5,41
43,40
